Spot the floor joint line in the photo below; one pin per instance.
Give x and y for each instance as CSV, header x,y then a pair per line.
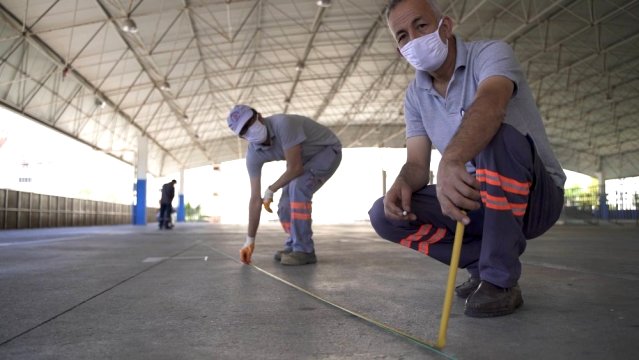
x,y
96,295
393,330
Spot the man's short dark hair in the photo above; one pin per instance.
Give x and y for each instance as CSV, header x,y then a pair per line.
x,y
174,181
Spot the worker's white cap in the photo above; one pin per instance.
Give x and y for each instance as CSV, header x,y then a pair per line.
x,y
238,117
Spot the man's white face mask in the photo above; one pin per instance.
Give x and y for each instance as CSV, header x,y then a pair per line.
x,y
256,133
426,53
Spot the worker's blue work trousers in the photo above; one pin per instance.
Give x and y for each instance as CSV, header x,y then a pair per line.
x,y
294,208
520,201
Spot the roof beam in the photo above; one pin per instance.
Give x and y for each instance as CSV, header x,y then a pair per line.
x,y
57,59
151,69
350,66
319,14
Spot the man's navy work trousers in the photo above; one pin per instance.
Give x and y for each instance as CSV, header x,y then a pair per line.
x,y
520,201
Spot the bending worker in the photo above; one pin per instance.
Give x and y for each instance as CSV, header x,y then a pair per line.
x,y
312,153
471,101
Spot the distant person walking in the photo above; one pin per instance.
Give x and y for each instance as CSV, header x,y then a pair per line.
x,y
166,207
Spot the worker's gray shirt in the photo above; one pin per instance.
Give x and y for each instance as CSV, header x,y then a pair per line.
x,y
427,113
286,131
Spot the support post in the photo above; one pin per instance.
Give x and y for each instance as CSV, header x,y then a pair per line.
x,y
603,204
140,204
180,209
383,182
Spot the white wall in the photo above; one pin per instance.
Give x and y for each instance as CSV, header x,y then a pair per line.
x,y
345,198
57,165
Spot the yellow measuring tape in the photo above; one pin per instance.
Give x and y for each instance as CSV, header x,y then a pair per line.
x,y
414,339
448,299
452,275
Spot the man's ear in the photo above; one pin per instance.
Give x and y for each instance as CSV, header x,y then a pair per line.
x,y
447,25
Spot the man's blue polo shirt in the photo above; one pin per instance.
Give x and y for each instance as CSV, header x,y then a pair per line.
x,y
427,113
286,131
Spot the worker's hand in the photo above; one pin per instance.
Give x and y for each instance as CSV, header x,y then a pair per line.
x,y
267,199
457,190
246,252
397,201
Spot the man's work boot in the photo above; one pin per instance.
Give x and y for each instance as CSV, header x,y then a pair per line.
x,y
467,287
490,300
278,253
298,258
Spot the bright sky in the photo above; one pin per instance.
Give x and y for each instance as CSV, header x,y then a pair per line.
x,y
57,165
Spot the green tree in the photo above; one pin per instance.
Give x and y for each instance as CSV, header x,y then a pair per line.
x,y
191,213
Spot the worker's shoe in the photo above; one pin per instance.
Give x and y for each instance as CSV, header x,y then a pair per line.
x,y
298,258
278,253
490,300
467,287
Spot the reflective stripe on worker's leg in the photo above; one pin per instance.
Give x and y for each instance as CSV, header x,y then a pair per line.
x,y
504,171
433,232
300,191
300,207
284,214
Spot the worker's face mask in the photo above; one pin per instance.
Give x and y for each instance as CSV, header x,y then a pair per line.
x,y
257,133
426,53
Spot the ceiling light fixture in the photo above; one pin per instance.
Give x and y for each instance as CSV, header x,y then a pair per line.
x,y
324,3
100,103
129,26
165,86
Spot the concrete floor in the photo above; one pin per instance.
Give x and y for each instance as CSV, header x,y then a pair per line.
x,y
125,292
